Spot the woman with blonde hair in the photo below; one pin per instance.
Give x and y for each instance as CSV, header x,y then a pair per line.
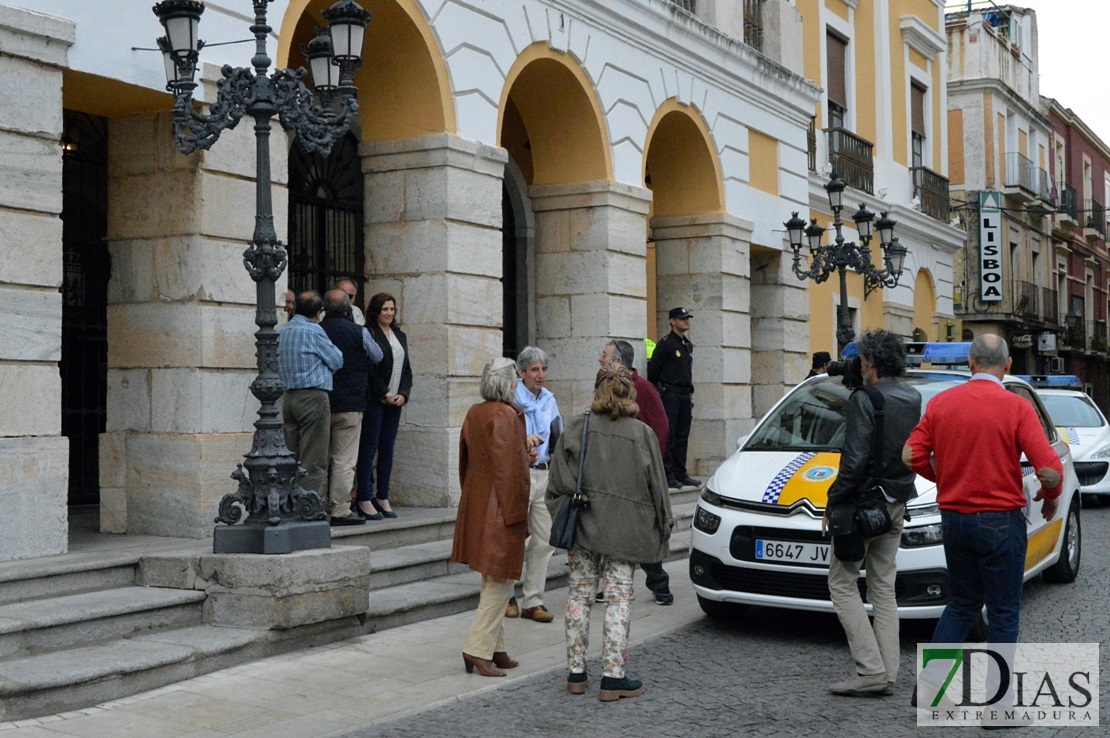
x,y
628,520
492,520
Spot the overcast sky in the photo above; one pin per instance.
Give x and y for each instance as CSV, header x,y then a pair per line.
x,y
1072,38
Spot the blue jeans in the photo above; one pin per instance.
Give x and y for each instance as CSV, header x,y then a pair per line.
x,y
375,449
986,565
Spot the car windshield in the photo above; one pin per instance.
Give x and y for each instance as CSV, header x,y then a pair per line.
x,y
811,418
1072,411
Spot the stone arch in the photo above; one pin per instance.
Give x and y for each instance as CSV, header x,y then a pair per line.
x,y
551,121
925,303
681,166
404,87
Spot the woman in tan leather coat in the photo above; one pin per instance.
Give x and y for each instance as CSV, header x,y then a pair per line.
x,y
492,522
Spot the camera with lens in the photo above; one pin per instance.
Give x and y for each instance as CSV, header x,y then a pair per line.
x,y
849,369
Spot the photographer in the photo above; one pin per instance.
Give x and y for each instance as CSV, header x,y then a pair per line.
x,y
880,415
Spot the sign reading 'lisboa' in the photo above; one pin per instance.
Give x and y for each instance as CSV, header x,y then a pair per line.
x,y
990,246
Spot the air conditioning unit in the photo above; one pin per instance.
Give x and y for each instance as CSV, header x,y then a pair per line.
x,y
1056,365
1046,343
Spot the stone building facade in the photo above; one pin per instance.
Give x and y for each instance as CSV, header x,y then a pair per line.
x,y
547,172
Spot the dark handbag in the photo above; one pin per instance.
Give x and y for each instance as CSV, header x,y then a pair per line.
x,y
846,540
873,521
564,528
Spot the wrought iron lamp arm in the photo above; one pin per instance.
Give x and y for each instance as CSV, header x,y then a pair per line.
x,y
235,93
317,126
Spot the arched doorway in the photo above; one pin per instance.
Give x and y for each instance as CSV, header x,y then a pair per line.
x,y
325,217
86,269
924,307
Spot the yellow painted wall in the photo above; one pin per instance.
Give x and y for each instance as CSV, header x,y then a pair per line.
x,y
404,89
813,35
924,304
683,165
956,147
917,59
560,112
866,116
111,98
763,162
838,7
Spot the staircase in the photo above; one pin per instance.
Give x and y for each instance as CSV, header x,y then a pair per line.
x,y
79,629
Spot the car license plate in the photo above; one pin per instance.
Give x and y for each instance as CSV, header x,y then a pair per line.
x,y
792,551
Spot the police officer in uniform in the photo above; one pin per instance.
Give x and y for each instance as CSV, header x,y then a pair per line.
x,y
671,370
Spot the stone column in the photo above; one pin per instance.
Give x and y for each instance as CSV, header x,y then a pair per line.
x,y
181,353
34,456
591,261
702,264
433,240
780,329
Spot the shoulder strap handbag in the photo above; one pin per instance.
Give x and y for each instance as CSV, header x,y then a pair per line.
x,y
564,528
871,516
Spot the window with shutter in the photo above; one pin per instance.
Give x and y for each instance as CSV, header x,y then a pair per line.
x,y
837,51
917,123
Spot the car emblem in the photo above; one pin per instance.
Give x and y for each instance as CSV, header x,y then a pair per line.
x,y
819,474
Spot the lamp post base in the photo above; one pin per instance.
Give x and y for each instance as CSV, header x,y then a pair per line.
x,y
271,539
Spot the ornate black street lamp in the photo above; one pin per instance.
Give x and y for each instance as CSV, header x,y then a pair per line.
x,y
270,512
823,259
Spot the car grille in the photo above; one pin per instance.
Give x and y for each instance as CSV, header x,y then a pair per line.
x,y
1090,472
776,583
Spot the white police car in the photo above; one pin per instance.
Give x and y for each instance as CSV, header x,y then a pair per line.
x,y
756,536
1082,426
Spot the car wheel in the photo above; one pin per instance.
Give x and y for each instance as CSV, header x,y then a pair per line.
x,y
1066,567
719,610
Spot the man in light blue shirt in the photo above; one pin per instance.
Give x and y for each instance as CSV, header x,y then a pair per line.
x,y
541,416
306,360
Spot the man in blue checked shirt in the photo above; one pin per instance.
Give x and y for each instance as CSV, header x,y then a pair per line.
x,y
306,360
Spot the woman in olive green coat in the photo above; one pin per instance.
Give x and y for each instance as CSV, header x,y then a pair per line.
x,y
628,521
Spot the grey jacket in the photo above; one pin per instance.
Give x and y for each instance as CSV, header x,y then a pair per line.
x,y
629,517
901,413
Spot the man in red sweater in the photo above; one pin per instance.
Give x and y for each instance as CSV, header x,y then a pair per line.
x,y
970,442
654,416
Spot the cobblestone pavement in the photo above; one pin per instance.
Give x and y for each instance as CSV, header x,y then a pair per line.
x,y
766,675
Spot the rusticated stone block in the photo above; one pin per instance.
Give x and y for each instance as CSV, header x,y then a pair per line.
x,y
426,467
30,249
174,334
34,483
32,400
270,592
30,325
31,173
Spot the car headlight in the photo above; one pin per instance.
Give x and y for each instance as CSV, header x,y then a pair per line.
x,y
1102,453
711,497
706,521
923,510
925,535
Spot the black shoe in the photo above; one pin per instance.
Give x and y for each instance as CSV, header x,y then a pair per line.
x,y
357,510
382,510
576,683
664,598
674,484
690,482
349,520
599,597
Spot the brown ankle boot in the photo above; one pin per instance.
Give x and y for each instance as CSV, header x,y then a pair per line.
x,y
502,660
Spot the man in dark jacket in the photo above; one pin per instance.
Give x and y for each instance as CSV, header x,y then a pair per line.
x,y
874,647
654,416
347,399
671,370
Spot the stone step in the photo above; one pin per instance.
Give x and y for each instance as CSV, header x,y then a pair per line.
x,y
61,622
34,579
60,681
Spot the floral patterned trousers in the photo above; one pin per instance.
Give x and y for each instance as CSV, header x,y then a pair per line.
x,y
585,569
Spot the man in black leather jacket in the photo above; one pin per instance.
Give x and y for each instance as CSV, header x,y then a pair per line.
x,y
874,646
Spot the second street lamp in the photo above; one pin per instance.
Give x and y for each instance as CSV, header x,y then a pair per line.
x,y
840,255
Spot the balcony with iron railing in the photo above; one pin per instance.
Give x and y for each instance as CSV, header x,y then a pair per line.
x,y
753,24
1021,177
1025,299
852,158
1067,209
931,191
1094,219
1049,308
